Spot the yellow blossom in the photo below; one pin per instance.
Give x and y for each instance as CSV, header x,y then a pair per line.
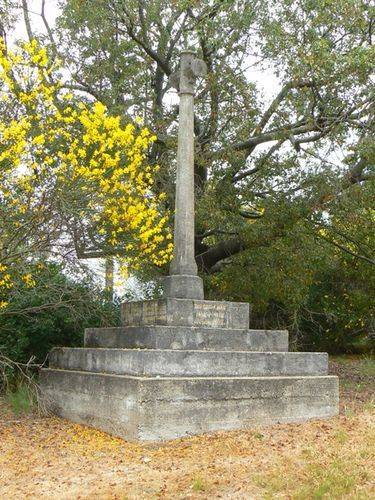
x,y
80,149
29,280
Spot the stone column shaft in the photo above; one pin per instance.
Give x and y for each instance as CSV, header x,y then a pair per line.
x,y
184,259
183,281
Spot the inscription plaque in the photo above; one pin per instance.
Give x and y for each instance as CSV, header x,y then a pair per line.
x,y
150,312
210,315
186,312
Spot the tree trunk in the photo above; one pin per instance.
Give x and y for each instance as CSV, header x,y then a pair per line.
x,y
109,276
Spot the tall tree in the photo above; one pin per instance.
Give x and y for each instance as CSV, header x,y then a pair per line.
x,y
284,139
299,150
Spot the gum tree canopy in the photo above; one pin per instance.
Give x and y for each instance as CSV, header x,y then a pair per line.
x,y
269,158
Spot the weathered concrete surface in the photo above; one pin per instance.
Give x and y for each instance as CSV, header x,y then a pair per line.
x,y
178,363
183,287
203,370
183,281
183,262
186,312
166,408
171,337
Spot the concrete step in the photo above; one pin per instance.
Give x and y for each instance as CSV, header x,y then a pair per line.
x,y
173,363
144,408
172,337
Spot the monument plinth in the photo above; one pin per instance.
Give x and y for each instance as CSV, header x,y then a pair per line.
x,y
183,365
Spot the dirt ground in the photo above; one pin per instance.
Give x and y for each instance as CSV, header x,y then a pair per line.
x,y
47,458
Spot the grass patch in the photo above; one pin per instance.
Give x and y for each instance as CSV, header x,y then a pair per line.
x,y
350,385
316,481
361,364
356,373
366,366
334,464
198,484
369,405
336,480
21,400
341,437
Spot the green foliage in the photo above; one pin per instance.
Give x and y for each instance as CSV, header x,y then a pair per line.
x,y
21,399
198,484
286,174
52,313
298,281
339,314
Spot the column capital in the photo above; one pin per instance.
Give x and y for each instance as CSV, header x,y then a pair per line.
x,y
190,69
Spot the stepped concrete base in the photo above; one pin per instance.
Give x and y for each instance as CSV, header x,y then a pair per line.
x,y
172,337
145,408
186,366
171,363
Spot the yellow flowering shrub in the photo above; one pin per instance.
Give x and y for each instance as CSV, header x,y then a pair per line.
x,y
5,277
29,280
71,171
109,160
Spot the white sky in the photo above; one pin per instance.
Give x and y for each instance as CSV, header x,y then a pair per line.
x,y
51,12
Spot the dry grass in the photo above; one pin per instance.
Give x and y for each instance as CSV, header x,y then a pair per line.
x,y
52,458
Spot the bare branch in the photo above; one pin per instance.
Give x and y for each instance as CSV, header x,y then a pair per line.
x,y
277,101
47,26
254,170
274,135
26,17
347,250
129,23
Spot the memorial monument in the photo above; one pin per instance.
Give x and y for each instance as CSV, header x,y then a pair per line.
x,y
183,365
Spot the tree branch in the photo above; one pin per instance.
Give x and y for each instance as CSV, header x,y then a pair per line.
x,y
278,99
26,17
219,252
346,250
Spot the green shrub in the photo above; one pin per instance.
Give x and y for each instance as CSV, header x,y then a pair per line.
x,y
52,313
324,298
339,313
21,399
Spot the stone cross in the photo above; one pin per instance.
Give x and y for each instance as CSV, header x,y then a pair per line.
x,y
183,280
